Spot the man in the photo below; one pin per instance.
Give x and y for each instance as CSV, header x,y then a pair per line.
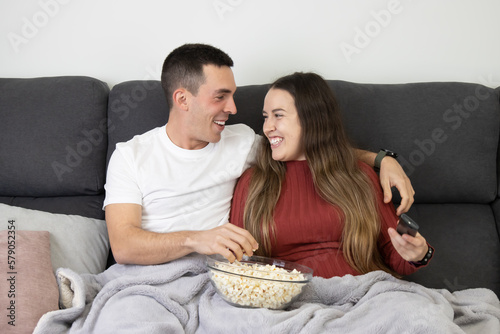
x,y
168,191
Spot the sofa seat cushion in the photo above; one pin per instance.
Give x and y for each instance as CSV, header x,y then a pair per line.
x,y
467,246
86,206
78,243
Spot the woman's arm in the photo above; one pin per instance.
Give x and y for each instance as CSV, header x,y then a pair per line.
x,y
398,251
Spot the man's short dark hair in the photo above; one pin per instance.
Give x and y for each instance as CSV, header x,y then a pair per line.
x,y
183,67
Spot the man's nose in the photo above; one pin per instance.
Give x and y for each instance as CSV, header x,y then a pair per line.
x,y
231,107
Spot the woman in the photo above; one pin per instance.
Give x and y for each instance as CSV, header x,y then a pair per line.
x,y
309,200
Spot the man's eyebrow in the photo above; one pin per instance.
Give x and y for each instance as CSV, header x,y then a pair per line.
x,y
223,91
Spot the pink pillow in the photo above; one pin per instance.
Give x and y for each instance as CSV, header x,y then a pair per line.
x,y
28,284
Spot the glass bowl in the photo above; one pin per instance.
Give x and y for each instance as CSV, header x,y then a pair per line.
x,y
258,281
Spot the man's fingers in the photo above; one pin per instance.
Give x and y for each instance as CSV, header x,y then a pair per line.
x,y
236,250
386,188
239,241
403,206
244,246
407,196
228,254
243,237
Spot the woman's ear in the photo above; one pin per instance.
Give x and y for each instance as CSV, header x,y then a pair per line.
x,y
180,98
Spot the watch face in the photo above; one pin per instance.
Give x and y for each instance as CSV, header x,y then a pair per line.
x,y
390,153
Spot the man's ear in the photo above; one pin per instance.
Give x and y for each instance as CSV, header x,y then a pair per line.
x,y
181,98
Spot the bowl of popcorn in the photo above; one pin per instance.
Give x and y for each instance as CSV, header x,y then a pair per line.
x,y
258,281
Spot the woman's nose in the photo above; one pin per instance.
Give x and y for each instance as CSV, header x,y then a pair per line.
x,y
268,125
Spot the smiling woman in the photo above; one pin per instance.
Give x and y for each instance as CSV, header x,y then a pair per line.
x,y
309,200
282,126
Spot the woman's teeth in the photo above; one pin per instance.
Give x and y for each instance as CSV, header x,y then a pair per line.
x,y
221,123
275,141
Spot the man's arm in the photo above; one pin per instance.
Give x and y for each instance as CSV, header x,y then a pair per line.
x,y
391,175
133,245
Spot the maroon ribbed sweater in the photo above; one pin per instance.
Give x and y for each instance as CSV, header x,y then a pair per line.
x,y
308,229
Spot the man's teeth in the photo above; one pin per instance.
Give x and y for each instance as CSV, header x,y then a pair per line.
x,y
275,141
220,123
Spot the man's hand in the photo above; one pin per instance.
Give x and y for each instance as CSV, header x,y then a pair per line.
x,y
227,240
393,175
133,245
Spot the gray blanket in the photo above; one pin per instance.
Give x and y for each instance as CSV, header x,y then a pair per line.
x,y
178,297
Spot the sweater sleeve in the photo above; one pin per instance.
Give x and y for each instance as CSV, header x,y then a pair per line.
x,y
388,218
239,199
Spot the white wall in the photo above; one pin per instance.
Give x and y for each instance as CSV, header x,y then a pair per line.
x,y
380,41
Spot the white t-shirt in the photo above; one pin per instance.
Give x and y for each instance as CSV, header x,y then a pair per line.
x,y
179,189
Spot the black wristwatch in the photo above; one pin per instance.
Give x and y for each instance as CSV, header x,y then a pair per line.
x,y
427,257
382,154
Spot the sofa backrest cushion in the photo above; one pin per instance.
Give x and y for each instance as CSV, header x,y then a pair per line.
x,y
135,107
138,106
446,133
53,136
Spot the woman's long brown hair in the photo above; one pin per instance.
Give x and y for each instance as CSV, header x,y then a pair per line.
x,y
336,175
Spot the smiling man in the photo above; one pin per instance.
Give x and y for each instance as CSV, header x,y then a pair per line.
x,y
200,117
169,190
164,198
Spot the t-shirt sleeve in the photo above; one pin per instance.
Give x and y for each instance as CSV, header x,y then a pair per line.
x,y
253,151
388,218
239,199
121,181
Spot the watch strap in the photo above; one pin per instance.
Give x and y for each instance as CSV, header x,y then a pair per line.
x,y
378,160
426,259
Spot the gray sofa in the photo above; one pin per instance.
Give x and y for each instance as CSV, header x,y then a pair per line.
x,y
58,133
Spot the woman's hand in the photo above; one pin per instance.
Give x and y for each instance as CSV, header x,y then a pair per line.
x,y
410,248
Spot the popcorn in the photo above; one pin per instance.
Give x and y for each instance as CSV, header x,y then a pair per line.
x,y
268,286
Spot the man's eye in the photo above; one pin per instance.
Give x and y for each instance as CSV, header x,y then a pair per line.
x,y
219,97
264,116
